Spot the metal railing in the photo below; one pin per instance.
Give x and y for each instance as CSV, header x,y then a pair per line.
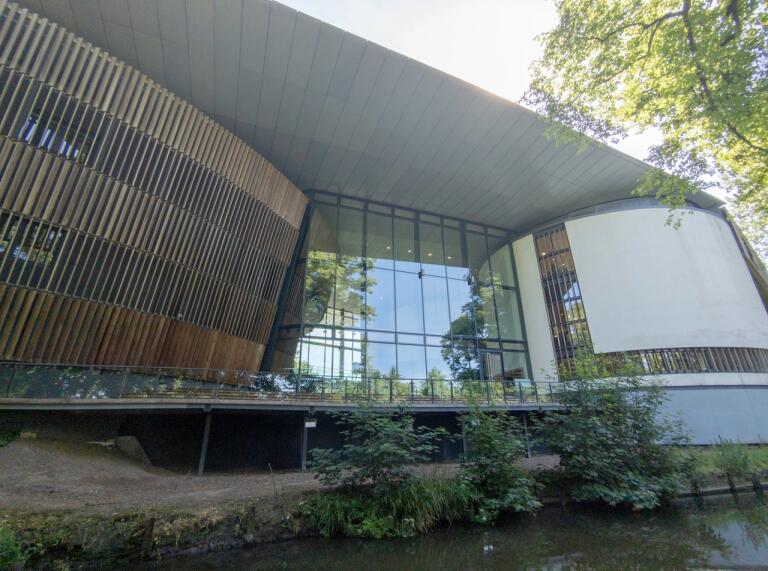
x,y
39,381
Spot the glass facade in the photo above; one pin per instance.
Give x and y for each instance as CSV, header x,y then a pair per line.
x,y
391,294
562,294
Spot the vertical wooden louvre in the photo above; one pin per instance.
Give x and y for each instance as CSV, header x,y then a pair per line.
x,y
134,230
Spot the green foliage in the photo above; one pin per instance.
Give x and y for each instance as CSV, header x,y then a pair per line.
x,y
615,445
692,69
415,506
491,471
733,458
378,450
12,554
8,436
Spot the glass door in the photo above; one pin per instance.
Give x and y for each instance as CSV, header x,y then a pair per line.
x,y
492,369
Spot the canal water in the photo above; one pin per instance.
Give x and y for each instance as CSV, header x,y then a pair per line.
x,y
719,535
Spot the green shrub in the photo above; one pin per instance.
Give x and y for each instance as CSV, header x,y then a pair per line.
x,y
11,552
415,506
491,471
379,449
614,443
733,458
8,436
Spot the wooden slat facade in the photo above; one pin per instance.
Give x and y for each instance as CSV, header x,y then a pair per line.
x,y
134,230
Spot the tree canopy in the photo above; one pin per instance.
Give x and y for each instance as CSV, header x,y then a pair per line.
x,y
696,70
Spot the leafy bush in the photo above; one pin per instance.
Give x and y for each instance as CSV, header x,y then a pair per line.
x,y
491,471
378,450
414,507
8,436
615,445
733,458
12,555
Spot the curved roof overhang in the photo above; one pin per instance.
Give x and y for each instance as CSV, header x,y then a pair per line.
x,y
336,112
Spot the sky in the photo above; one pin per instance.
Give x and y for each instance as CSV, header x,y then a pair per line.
x,y
490,43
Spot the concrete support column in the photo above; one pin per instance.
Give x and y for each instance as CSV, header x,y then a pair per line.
x,y
204,447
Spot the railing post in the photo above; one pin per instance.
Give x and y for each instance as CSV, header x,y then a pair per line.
x,y
551,396
346,395
10,381
412,395
520,389
536,391
451,385
504,390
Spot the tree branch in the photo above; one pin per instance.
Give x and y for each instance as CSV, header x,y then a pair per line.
x,y
704,83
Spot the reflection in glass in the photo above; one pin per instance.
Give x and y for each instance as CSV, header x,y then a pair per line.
x,y
501,262
380,299
510,325
379,245
322,233
456,265
462,307
478,258
364,275
351,236
405,246
436,316
410,362
431,249
515,366
381,360
409,311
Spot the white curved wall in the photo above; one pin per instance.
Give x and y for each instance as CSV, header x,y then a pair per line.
x,y
646,285
534,311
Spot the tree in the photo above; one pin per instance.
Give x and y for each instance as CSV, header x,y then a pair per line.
x,y
491,468
696,70
615,444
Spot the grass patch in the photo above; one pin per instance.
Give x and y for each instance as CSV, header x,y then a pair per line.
x,y
416,506
714,461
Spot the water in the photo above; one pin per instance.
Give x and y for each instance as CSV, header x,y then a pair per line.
x,y
720,535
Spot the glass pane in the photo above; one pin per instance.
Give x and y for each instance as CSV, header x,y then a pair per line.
x,y
410,362
454,256
431,249
350,357
322,233
515,366
463,359
380,299
350,236
318,292
436,316
485,312
410,317
501,262
405,246
478,257
462,308
510,326
348,306
379,241
438,362
381,361
492,366
317,356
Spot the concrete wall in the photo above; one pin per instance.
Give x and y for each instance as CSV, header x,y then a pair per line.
x,y
534,310
646,285
736,413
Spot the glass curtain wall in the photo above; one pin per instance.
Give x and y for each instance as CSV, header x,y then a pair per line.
x,y
391,294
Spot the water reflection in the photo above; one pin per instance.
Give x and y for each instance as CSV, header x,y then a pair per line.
x,y
720,536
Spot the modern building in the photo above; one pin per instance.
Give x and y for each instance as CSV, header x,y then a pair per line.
x,y
236,186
